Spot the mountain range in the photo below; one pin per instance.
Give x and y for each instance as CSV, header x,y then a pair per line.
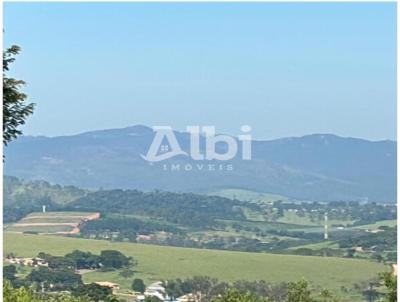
x,y
321,167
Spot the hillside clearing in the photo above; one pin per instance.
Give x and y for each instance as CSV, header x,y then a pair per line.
x,y
52,222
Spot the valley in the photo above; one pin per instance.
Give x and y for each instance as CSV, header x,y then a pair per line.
x,y
231,235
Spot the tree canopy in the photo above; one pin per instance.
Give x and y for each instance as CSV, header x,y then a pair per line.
x,y
16,109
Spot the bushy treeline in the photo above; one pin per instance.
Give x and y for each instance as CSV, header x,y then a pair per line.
x,y
360,213
202,289
61,271
84,293
184,209
25,294
380,241
126,226
206,289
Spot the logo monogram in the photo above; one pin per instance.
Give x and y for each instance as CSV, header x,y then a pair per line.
x,y
159,151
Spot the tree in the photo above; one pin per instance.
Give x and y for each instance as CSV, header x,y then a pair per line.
x,y
174,288
95,292
370,292
235,296
24,294
299,292
9,272
61,263
390,281
55,279
327,296
15,108
84,260
138,286
115,259
151,299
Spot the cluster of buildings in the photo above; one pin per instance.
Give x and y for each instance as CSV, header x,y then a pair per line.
x,y
157,290
33,262
154,290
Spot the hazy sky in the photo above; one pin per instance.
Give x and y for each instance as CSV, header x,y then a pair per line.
x,y
285,69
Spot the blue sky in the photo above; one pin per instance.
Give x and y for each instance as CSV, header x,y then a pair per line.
x,y
286,69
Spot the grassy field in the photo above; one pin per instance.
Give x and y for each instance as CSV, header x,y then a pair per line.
x,y
160,263
40,229
59,214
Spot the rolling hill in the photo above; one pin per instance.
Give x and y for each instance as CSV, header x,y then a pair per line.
x,y
161,263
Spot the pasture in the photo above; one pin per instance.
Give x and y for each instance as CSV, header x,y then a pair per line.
x,y
161,262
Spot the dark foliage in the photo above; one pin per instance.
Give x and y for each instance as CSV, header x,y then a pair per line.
x,y
95,293
15,107
184,209
54,280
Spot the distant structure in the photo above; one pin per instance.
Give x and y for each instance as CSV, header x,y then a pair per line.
x,y
394,269
44,209
326,227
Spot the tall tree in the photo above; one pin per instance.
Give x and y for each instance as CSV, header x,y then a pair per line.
x,y
138,286
16,109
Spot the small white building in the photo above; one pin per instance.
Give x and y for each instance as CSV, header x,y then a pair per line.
x,y
155,289
33,262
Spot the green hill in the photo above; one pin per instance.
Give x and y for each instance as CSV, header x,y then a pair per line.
x,y
160,263
20,191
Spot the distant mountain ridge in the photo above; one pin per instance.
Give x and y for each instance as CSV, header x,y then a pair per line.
x,y
312,167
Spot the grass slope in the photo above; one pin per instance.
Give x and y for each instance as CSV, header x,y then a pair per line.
x,y
389,223
160,263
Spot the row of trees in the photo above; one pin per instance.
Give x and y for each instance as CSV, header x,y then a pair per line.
x,y
126,227
60,274
108,259
185,209
295,292
83,293
360,213
211,290
208,289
